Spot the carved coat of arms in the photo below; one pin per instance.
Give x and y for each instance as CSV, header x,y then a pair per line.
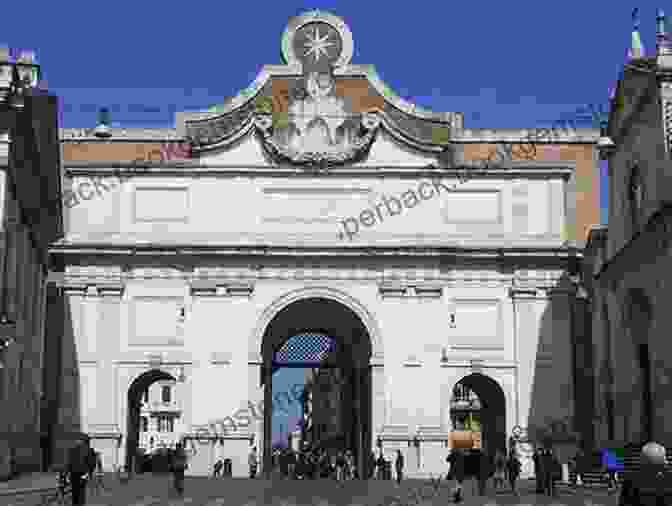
x,y
319,128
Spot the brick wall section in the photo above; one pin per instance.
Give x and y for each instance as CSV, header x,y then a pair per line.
x,y
103,151
587,178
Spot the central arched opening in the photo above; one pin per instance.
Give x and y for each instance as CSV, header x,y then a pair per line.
x,y
331,344
479,404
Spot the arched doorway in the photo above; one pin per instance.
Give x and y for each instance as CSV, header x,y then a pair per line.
x,y
323,334
479,401
134,402
639,312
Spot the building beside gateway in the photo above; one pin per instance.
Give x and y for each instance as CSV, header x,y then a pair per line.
x,y
198,271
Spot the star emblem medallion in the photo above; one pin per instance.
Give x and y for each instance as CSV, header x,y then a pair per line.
x,y
317,43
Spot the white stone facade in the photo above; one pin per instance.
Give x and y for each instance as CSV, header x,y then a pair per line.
x,y
507,315
182,267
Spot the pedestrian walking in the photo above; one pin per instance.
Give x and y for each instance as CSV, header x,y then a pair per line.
x,y
217,469
283,458
291,463
651,485
538,471
500,470
484,471
79,466
380,466
253,462
349,462
580,461
96,474
178,466
456,459
340,466
550,466
399,467
513,470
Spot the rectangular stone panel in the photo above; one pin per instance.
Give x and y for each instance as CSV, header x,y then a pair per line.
x,y
302,205
159,204
477,207
477,326
154,321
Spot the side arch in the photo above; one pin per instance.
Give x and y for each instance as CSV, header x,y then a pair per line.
x,y
133,403
493,408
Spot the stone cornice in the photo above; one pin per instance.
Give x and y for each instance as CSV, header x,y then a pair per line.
x,y
196,168
514,135
477,251
398,283
118,134
366,71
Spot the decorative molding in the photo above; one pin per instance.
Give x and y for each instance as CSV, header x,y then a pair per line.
x,y
74,290
486,364
154,360
111,290
391,289
432,433
395,432
153,273
104,431
203,288
412,361
220,357
376,361
476,365
476,347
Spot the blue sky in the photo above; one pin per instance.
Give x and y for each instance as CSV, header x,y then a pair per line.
x,y
504,64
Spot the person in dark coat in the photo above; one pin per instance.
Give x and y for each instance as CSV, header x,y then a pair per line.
x,y
513,469
217,469
399,466
178,466
500,470
550,465
252,462
81,461
457,472
483,471
651,485
538,470
380,466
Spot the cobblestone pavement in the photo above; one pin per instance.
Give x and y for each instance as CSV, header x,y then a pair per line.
x,y
148,490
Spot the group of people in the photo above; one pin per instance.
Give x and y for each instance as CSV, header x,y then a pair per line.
x,y
311,464
653,480
480,466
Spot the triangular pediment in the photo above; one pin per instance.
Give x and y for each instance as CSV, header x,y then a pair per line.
x,y
318,108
